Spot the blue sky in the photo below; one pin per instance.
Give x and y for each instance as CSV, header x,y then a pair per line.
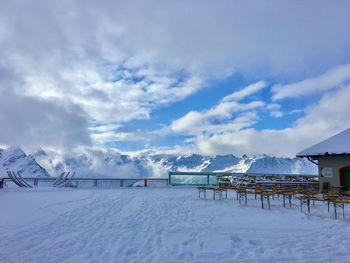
x,y
209,96
174,77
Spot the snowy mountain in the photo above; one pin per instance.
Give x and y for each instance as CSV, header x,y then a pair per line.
x,y
14,159
275,165
109,163
92,163
231,163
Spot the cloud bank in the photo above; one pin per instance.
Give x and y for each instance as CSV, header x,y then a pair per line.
x,y
77,72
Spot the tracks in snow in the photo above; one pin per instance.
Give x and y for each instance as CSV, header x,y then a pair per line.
x,y
168,225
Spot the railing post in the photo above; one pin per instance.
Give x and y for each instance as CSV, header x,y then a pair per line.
x,y
208,179
36,181
121,182
2,183
145,181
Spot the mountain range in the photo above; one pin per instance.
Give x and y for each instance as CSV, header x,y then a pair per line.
x,y
109,163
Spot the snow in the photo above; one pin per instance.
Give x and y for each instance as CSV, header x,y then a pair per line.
x,y
337,144
162,225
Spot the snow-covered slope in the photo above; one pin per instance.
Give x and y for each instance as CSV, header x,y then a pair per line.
x,y
14,159
159,225
165,225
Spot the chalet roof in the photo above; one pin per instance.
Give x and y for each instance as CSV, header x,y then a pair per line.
x,y
338,144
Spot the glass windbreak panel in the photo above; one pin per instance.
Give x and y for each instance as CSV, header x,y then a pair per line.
x,y
83,183
107,184
213,180
189,179
157,183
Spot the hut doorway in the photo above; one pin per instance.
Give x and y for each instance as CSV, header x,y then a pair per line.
x,y
345,177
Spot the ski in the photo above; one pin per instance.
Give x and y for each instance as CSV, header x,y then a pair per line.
x,y
58,179
68,181
63,179
20,178
14,179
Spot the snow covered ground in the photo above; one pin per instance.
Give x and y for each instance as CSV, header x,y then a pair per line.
x,y
162,225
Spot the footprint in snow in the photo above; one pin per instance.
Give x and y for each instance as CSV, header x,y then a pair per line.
x,y
235,239
254,242
130,251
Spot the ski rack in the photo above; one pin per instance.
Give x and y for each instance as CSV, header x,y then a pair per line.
x,y
68,181
64,180
22,180
13,179
17,179
58,179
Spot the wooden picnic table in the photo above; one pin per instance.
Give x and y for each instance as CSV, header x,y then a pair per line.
x,y
336,200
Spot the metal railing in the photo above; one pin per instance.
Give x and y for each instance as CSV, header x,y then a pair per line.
x,y
94,182
174,179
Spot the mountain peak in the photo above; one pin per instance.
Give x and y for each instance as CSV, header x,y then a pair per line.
x,y
39,152
14,158
13,151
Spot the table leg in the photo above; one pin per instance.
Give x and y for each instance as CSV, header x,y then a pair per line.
x,y
290,201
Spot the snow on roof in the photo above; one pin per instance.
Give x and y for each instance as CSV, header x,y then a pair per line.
x,y
336,145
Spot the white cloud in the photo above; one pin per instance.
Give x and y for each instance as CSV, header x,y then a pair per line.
x,y
108,127
245,92
223,112
329,80
195,121
276,114
325,119
31,122
273,106
121,100
117,61
234,135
